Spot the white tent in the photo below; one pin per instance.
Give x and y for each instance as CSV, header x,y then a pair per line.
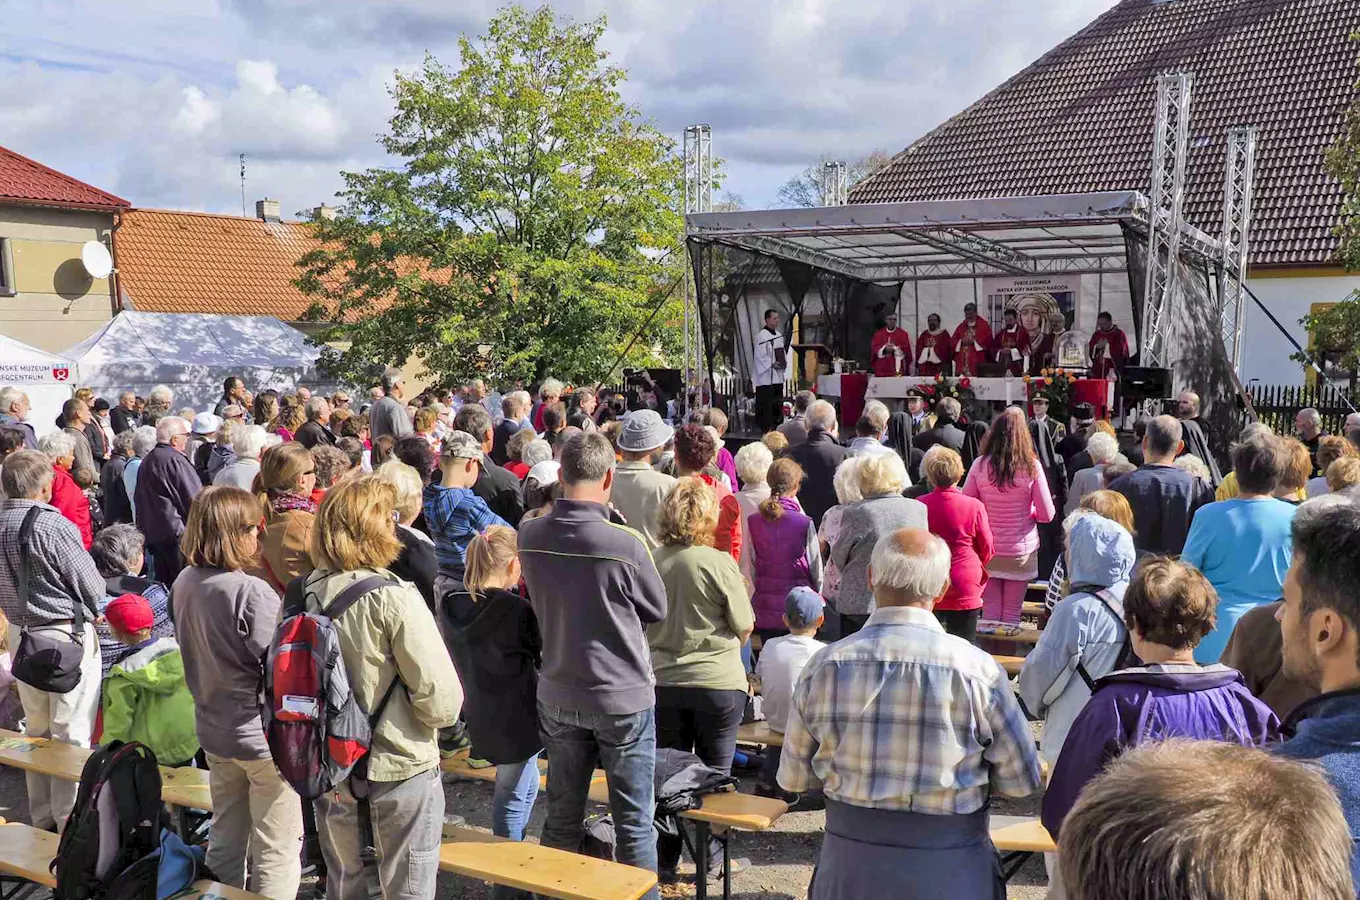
x,y
193,353
47,378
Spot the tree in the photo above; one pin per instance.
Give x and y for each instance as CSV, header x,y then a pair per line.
x,y
532,228
1334,337
805,189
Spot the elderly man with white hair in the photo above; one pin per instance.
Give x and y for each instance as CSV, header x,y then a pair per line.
x,y
1308,426
249,445
1103,450
549,394
166,484
14,409
316,430
908,731
819,456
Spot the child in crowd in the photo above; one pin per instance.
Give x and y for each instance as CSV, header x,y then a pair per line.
x,y
781,660
145,696
454,515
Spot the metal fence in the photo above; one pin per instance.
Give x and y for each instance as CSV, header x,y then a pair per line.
x,y
1278,404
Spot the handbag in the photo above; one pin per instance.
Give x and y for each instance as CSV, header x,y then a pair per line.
x,y
48,657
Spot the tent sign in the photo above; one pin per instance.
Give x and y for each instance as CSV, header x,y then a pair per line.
x,y
34,373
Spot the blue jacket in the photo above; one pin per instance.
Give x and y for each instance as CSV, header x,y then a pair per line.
x,y
1327,729
1151,703
1084,629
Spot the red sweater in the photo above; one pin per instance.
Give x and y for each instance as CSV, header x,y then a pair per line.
x,y
961,522
727,537
72,503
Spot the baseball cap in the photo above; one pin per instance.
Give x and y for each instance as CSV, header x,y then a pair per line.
x,y
644,430
545,473
129,613
461,445
206,423
101,404
803,606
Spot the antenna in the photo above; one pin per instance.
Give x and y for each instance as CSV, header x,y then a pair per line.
x,y
243,185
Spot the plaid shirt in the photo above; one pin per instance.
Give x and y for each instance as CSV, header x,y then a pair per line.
x,y
61,573
453,517
903,716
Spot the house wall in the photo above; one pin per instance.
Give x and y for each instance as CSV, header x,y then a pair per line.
x,y
56,304
1290,295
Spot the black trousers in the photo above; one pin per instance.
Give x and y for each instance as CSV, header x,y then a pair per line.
x,y
960,622
166,560
701,721
769,397
851,623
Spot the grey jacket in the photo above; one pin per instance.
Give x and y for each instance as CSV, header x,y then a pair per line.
x,y
862,524
388,416
61,573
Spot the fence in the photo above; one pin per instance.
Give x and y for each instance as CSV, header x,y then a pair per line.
x,y
1278,404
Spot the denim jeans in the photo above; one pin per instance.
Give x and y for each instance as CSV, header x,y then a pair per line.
x,y
512,802
625,747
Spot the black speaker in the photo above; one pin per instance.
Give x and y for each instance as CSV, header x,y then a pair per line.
x,y
1140,383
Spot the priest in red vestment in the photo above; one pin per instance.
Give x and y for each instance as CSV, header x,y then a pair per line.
x,y
1012,344
1108,347
932,349
890,350
972,342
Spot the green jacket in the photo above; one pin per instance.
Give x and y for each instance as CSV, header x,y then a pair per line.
x,y
147,700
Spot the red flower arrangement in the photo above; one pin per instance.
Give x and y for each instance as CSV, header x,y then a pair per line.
x,y
965,383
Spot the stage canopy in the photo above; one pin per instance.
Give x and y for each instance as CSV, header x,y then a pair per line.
x,y
839,269
47,379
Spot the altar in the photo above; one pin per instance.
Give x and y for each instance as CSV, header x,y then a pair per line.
x,y
1099,392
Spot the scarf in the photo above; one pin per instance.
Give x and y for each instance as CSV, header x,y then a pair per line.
x,y
290,502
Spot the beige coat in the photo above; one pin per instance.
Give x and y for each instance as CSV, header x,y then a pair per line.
x,y
284,547
386,632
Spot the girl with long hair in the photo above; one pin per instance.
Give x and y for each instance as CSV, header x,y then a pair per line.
x,y
784,549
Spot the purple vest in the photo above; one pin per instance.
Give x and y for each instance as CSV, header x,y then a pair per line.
x,y
779,554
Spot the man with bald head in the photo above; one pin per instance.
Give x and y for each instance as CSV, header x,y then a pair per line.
x,y
908,731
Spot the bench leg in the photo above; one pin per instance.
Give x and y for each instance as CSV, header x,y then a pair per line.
x,y
1012,863
701,860
12,888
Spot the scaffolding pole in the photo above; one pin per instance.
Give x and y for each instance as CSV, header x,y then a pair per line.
x,y
835,184
1171,138
1238,176
698,148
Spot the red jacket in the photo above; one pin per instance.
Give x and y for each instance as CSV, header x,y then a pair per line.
x,y
961,522
72,503
728,536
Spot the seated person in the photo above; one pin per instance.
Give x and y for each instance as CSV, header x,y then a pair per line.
x,y
781,660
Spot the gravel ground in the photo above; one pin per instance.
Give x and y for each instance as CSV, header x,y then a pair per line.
x,y
781,859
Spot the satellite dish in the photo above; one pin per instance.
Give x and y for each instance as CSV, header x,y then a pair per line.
x,y
95,257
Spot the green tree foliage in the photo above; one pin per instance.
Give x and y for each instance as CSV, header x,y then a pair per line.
x,y
805,189
533,225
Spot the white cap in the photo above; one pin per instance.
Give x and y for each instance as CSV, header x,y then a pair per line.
x,y
206,423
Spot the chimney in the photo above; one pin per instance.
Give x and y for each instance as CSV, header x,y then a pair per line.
x,y
267,210
324,212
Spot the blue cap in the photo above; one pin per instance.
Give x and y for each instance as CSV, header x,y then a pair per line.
x,y
803,606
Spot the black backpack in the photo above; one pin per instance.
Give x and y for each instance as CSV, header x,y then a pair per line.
x,y
115,825
1127,658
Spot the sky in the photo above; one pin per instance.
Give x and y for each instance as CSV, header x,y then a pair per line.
x,y
155,99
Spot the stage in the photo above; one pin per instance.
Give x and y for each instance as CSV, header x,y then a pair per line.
x,y
853,389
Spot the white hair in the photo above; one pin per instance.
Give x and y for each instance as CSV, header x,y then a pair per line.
x,y
1074,515
846,480
162,394
187,413
535,452
143,439
315,407
1102,447
57,444
9,396
126,395
550,386
919,577
525,400
171,427
250,442
950,407
1194,465
822,415
876,411
883,473
753,463
1310,415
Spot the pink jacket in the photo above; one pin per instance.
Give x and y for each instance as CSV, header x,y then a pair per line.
x,y
1012,510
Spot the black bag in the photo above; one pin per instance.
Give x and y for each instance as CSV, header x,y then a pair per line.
x,y
1127,658
116,823
48,657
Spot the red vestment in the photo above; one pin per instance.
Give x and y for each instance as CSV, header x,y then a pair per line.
x,y
1011,347
972,344
938,342
1108,350
886,365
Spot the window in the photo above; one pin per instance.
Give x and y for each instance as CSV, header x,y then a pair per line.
x,y
6,269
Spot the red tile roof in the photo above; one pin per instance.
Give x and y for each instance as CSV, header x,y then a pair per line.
x,y
25,181
1081,117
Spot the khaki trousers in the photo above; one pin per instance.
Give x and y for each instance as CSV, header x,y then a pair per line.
x,y
257,817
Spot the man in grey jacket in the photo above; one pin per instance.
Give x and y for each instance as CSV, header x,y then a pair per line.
x,y
594,589
388,415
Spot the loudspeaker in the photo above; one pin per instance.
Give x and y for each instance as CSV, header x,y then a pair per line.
x,y
1140,383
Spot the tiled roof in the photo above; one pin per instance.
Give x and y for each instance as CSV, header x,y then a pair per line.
x,y
1081,117
23,180
186,262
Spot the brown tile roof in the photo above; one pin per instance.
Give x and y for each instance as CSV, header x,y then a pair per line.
x,y
26,181
1081,117
183,262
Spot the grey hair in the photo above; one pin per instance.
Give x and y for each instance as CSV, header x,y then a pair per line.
x,y
227,431
250,442
950,407
753,463
115,548
535,452
314,408
187,413
161,394
123,395
8,397
586,459
1253,429
512,407
1310,415
143,439
391,378
1164,433
877,414
170,427
123,441
1195,466
57,444
1102,447
883,473
846,480
550,386
821,415
918,577
25,475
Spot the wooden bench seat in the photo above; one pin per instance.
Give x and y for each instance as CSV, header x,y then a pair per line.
x,y
1012,664
1016,838
458,767
541,870
759,733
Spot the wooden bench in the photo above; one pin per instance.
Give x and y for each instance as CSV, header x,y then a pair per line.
x,y
759,733
1012,664
1016,838
541,870
459,768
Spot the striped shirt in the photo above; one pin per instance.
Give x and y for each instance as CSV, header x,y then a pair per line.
x,y
453,517
903,716
61,572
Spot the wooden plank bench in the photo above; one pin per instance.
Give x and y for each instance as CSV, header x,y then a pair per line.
x,y
1012,664
759,733
459,768
538,869
1016,838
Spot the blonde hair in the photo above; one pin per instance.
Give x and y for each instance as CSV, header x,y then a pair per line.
x,y
689,514
1110,505
1298,467
490,552
882,473
406,480
1103,426
354,527
1343,473
846,480
282,468
290,417
776,441
942,466
784,478
218,532
424,419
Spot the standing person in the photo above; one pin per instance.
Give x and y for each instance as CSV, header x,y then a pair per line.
x,y
119,553
143,442
1242,545
247,446
513,409
696,649
1195,432
944,431
224,621
1103,450
123,417
113,493
233,394
1329,450
781,661
75,415
1164,498
717,420
265,409
695,450
1108,347
753,463
972,342
549,397
388,640
14,409
63,594
454,514
932,349
593,584
1046,435
416,562
639,489
1008,479
497,486
882,511
166,485
316,430
846,482
795,429
1011,345
770,372
890,722
890,349
961,522
784,548
1308,427
818,457
67,498
388,416
285,485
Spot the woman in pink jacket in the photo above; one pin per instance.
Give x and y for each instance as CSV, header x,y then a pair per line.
x,y
961,521
1007,478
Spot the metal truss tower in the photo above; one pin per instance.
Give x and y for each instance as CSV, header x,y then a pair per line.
x,y
698,149
835,184
1239,173
1169,150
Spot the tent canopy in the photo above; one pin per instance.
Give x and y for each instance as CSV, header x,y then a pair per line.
x,y
47,379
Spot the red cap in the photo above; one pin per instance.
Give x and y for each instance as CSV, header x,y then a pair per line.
x,y
129,614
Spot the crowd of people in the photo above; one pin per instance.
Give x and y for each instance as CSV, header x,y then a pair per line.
x,y
1196,674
